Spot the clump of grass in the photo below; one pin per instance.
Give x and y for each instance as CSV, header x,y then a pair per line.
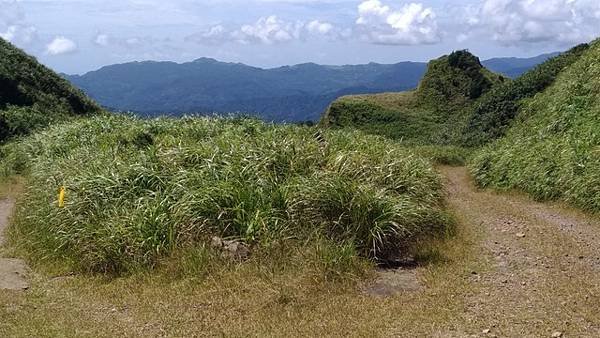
x,y
138,191
552,151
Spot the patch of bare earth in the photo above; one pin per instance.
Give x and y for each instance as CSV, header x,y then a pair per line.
x,y
12,271
544,273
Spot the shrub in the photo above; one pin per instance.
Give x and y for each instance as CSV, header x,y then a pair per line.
x,y
138,190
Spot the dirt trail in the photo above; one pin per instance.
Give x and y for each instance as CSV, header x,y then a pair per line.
x,y
12,271
543,275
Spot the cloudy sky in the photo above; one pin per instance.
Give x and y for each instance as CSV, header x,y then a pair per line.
x,y
76,36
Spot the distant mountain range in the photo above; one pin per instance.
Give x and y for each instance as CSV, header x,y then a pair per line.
x,y
291,93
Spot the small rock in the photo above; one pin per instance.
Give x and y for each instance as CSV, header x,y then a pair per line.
x,y
216,242
557,334
521,235
236,250
486,331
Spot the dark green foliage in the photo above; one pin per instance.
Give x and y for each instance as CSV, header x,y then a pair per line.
x,y
457,76
18,121
43,95
11,94
494,113
552,150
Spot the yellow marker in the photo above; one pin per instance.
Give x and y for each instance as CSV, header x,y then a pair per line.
x,y
61,197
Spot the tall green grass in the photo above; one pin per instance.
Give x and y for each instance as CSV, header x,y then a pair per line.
x,y
492,116
553,149
140,190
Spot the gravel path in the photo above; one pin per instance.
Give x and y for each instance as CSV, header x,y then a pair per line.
x,y
13,272
544,275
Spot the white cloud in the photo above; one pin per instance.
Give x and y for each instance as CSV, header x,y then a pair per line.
x,y
61,45
266,30
13,26
214,35
411,24
319,27
102,40
513,22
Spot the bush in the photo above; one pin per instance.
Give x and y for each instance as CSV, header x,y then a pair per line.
x,y
138,190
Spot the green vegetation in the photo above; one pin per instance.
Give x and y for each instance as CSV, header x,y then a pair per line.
x,y
432,114
552,151
492,116
32,96
141,190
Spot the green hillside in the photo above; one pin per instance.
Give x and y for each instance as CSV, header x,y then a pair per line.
x,y
32,96
434,113
552,150
496,110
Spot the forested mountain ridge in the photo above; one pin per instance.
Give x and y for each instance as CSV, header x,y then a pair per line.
x,y
291,93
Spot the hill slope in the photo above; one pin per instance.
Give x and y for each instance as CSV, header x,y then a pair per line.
x,y
291,93
493,114
553,149
32,95
433,113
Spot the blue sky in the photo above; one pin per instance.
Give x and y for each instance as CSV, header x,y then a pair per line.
x,y
76,36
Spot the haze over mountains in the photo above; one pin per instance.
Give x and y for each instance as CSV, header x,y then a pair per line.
x,y
290,93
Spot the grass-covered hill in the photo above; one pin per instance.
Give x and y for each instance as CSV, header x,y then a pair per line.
x,y
434,113
495,111
552,150
138,191
32,95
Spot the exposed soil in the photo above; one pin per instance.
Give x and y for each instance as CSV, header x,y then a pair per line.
x,y
13,272
391,282
545,263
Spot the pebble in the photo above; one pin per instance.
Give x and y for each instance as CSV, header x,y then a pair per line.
x,y
521,235
557,334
